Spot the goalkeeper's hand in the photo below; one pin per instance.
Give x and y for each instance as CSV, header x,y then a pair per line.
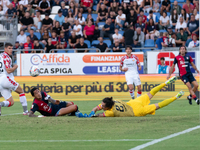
x,y
91,114
81,115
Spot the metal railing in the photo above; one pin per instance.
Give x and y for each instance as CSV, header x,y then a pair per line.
x,y
177,49
78,49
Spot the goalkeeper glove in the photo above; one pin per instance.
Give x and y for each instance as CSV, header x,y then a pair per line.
x,y
81,115
91,114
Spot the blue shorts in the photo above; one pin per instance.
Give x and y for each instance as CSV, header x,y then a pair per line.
x,y
188,78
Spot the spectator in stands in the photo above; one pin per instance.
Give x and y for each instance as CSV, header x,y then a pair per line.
x,y
73,40
193,26
114,1
63,9
78,29
147,5
44,7
21,38
196,4
144,18
166,39
170,31
47,23
17,45
152,16
131,18
102,13
151,29
174,18
37,21
70,18
89,17
128,35
156,6
5,4
108,29
138,38
37,46
59,17
136,7
62,44
1,12
28,46
66,27
188,7
112,15
20,12
30,10
45,37
32,36
181,38
172,40
11,11
195,13
24,3
96,32
159,41
86,6
73,9
194,42
56,2
128,2
27,22
125,9
116,47
49,46
117,36
81,19
184,15
166,6
88,31
162,67
164,21
177,7
102,46
54,38
140,24
139,2
120,19
81,45
57,28
180,24
35,4
114,7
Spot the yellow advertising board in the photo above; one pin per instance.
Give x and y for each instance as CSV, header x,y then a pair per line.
x,y
95,87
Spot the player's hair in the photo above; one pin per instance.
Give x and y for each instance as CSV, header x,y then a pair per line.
x,y
109,102
185,48
129,46
33,89
8,44
162,58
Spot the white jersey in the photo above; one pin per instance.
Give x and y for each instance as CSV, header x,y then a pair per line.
x,y
131,63
5,62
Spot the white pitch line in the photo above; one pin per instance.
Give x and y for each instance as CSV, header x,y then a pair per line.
x,y
11,114
164,138
34,141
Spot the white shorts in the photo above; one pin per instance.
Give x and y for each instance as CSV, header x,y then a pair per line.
x,y
7,85
133,79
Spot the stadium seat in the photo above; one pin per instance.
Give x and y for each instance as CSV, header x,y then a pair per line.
x,y
70,51
67,7
181,1
137,50
123,50
61,51
181,4
94,7
187,42
172,1
92,51
1,27
27,33
149,43
101,24
146,14
95,42
18,27
94,16
121,32
157,14
55,9
146,50
108,42
52,17
42,17
162,31
85,15
88,43
38,35
168,14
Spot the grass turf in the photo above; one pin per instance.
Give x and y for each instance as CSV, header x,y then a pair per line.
x,y
176,117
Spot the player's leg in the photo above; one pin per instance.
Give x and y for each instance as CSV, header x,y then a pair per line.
x,y
67,110
192,93
159,87
137,83
22,99
129,81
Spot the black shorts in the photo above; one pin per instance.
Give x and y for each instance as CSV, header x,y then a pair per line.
x,y
56,108
188,78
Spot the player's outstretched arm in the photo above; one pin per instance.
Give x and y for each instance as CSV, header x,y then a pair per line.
x,y
195,68
170,71
10,70
31,114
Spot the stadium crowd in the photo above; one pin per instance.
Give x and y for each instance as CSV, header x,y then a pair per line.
x,y
103,24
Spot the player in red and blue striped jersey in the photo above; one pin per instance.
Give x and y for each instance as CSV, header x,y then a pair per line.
x,y
183,60
47,106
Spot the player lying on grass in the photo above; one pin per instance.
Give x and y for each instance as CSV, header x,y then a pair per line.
x,y
133,108
183,60
54,108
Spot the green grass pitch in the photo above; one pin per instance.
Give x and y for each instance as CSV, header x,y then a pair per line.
x,y
18,132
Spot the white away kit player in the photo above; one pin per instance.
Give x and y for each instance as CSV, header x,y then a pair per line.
x,y
7,82
129,64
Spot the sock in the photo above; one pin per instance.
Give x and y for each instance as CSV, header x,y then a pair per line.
x,y
23,101
194,97
132,93
139,94
190,96
5,104
166,102
157,88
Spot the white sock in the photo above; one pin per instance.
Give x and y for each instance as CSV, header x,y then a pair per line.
x,y
132,93
23,101
5,104
139,94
